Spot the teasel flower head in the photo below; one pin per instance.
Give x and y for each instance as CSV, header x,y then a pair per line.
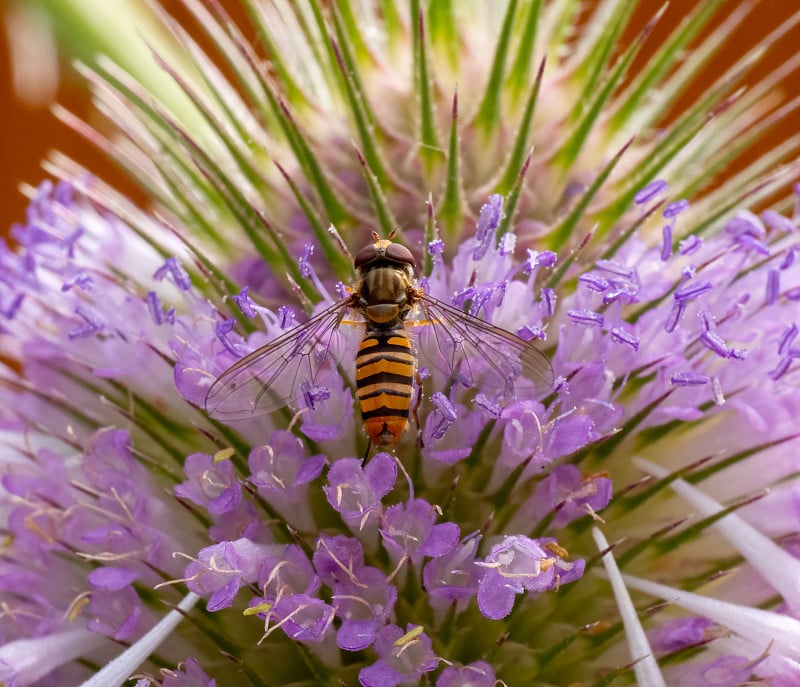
x,y
635,522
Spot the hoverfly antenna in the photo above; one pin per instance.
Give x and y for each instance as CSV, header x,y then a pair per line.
x,y
376,236
392,234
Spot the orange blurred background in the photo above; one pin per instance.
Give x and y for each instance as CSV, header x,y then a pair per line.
x,y
28,132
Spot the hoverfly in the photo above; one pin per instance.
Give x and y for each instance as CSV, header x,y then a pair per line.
x,y
391,307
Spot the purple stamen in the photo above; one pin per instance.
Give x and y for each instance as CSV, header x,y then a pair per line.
x,y
666,242
244,303
788,259
746,224
615,268
675,208
594,282
787,338
305,260
773,286
688,379
341,290
491,408
313,395
444,406
690,245
675,316
715,343
93,323
480,299
436,247
549,302
738,353
546,258
749,242
535,259
222,329
620,335
445,414
626,290
793,294
488,221
586,318
461,297
529,333
174,269
81,280
490,216
708,320
154,306
9,311
650,191
775,220
781,369
69,242
692,290
285,317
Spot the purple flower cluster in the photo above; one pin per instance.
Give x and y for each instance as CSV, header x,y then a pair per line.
x,y
114,478
301,592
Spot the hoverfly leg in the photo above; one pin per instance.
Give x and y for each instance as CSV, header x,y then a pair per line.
x,y
366,452
415,409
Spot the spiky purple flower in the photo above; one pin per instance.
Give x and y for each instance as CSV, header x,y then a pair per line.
x,y
671,327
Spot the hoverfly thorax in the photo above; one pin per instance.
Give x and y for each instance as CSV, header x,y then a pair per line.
x,y
386,282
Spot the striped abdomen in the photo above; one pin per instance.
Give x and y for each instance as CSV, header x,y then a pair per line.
x,y
385,367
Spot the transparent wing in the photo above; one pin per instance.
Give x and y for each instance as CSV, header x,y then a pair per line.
x,y
272,376
478,354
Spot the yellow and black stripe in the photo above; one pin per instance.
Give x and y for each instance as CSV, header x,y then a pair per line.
x,y
385,367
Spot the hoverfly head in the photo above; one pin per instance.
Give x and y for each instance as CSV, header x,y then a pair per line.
x,y
383,250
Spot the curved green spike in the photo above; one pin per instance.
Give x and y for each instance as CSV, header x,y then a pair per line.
x,y
521,144
393,24
431,234
488,117
569,152
561,234
512,200
695,530
335,258
371,150
599,45
451,211
444,33
350,66
277,112
385,218
666,57
430,150
294,93
242,160
518,79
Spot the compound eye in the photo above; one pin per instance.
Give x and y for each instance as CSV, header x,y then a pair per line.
x,y
399,253
367,254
